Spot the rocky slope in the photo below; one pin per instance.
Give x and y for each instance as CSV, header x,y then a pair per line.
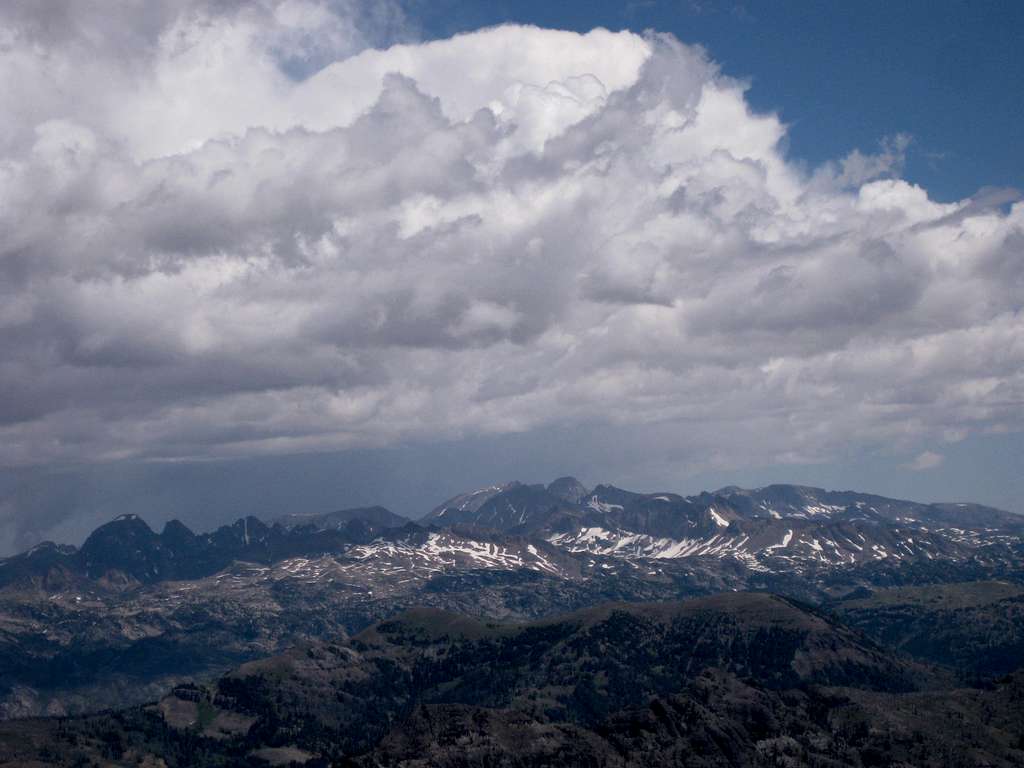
x,y
975,628
777,528
733,679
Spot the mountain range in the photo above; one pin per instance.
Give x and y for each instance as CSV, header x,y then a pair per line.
x,y
133,613
779,528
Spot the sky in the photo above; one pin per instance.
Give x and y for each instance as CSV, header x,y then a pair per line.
x,y
841,75
298,255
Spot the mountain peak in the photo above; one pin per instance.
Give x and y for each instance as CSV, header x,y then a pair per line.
x,y
125,544
514,506
46,547
568,489
177,530
467,502
120,526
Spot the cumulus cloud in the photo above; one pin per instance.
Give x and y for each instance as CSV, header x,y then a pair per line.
x,y
240,229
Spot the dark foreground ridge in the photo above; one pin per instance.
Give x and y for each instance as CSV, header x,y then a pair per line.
x,y
735,679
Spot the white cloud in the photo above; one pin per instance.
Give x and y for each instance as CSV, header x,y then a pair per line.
x,y
926,460
205,255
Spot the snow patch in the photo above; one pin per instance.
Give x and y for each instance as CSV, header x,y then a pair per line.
x,y
603,506
785,542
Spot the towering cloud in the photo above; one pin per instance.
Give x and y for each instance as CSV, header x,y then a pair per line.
x,y
240,229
